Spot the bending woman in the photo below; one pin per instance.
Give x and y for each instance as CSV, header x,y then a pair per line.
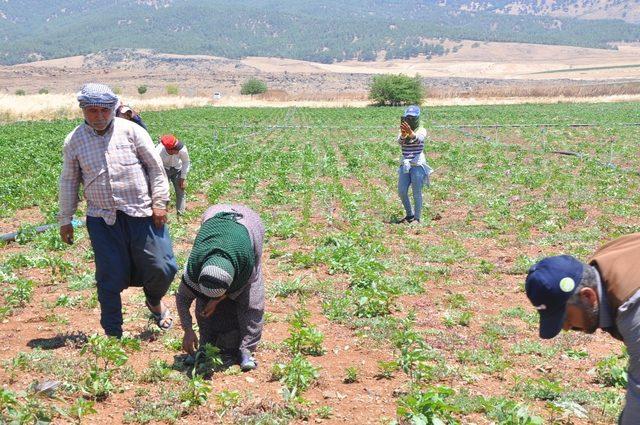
x,y
224,276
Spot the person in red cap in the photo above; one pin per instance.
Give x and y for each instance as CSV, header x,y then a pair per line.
x,y
603,293
175,159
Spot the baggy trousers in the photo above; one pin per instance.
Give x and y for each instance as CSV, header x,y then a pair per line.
x,y
131,252
173,174
221,329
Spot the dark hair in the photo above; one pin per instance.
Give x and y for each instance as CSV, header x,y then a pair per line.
x,y
589,280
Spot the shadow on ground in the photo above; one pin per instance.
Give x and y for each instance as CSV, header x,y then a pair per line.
x,y
74,340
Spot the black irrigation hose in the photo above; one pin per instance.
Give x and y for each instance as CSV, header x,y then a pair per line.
x,y
582,156
610,165
382,127
8,237
570,125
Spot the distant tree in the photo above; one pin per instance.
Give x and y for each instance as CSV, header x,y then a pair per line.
x,y
20,92
142,89
43,91
172,89
396,90
253,86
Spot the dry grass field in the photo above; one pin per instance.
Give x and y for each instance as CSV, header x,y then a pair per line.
x,y
486,60
64,106
470,70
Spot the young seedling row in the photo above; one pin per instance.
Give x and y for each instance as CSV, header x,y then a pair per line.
x,y
366,321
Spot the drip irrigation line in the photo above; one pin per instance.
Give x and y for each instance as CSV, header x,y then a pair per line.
x,y
582,156
383,127
462,128
570,125
8,237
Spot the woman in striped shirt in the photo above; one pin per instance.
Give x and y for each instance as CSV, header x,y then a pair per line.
x,y
413,170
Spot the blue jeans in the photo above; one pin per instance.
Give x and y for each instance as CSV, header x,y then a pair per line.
x,y
415,178
132,252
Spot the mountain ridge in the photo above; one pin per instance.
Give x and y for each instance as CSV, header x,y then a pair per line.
x,y
325,32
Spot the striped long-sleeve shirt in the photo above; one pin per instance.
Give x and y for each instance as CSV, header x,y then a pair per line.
x,y
119,170
412,148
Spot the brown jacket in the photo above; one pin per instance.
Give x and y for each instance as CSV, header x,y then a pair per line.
x,y
618,263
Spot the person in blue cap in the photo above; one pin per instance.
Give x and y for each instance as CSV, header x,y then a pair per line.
x,y
414,171
602,294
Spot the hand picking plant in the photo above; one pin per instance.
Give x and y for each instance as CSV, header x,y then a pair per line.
x,y
207,360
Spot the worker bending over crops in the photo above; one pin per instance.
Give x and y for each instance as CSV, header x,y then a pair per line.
x,y
175,159
571,295
127,193
413,170
224,276
125,111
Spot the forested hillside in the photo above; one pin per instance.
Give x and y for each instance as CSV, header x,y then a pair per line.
x,y
321,31
627,10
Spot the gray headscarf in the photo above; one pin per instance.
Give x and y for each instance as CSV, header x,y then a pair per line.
x,y
95,94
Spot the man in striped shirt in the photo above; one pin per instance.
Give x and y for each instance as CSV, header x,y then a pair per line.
x,y
127,192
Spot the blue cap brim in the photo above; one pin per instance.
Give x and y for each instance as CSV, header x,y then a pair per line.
x,y
551,323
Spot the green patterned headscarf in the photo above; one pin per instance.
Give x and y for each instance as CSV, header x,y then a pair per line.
x,y
222,258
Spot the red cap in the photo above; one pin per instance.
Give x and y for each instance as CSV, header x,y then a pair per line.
x,y
169,141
